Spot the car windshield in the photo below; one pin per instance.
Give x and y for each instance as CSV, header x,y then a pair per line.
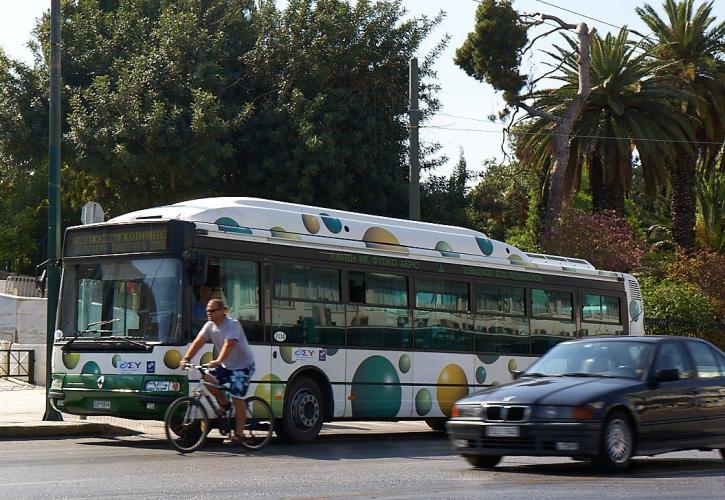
x,y
595,358
129,298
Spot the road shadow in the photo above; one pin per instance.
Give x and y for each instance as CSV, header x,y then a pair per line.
x,y
420,446
641,468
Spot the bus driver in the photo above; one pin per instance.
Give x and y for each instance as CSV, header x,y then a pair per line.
x,y
234,365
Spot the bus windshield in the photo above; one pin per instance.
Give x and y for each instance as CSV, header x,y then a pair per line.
x,y
132,298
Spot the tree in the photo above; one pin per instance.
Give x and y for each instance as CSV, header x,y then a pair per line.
x,y
691,44
628,110
329,124
492,52
154,95
446,200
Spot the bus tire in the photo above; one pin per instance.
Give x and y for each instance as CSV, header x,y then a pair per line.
x,y
303,411
437,424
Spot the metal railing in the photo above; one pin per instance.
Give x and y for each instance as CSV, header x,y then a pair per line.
x,y
22,286
18,363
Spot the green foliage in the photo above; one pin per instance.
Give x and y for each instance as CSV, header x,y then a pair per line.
x,y
167,100
626,102
711,205
492,52
500,201
330,123
676,301
446,201
603,238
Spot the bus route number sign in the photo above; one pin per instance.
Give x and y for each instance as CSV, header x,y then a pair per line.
x,y
102,241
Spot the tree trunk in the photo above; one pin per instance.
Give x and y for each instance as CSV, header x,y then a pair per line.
x,y
684,202
607,194
564,126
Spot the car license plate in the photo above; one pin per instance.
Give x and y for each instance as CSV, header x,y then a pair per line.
x,y
100,404
502,431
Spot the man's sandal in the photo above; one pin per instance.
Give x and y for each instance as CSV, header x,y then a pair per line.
x,y
233,440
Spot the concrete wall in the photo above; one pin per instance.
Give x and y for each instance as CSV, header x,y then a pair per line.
x,y
23,321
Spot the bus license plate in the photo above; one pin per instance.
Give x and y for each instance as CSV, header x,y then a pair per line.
x,y
502,431
99,404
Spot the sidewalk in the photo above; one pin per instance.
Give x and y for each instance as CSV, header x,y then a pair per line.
x,y
22,407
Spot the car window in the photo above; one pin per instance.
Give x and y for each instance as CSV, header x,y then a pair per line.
x,y
671,355
705,362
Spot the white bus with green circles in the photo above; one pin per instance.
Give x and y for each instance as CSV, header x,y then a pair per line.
x,y
350,316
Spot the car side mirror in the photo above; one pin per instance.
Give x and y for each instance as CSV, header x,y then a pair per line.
x,y
516,374
670,375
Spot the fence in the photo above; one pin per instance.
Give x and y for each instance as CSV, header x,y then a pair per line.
x,y
18,363
713,332
22,286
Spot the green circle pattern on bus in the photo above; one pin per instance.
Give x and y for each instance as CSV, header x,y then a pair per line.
x,y
376,389
485,245
423,402
404,363
488,358
71,359
91,368
331,223
271,389
480,374
229,225
446,249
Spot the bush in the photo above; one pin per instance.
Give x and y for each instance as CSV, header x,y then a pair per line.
x,y
676,301
703,270
603,238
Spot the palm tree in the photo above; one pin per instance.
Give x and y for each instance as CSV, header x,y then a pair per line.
x,y
690,43
628,109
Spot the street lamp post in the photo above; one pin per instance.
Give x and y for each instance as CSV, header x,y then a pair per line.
x,y
53,271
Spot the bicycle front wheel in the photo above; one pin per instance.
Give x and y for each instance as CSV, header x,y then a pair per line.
x,y
260,424
186,424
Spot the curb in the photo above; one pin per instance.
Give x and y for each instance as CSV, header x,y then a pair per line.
x,y
48,429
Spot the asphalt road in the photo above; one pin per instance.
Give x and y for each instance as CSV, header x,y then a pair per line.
x,y
417,465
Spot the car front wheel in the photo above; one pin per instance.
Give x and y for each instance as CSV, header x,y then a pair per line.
x,y
617,443
483,461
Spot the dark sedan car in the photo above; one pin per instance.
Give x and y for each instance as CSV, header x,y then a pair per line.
x,y
606,398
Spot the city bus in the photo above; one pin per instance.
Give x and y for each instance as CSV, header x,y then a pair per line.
x,y
350,316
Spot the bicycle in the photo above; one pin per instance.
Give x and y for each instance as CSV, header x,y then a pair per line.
x,y
187,422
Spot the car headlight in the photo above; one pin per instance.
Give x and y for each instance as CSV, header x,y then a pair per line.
x,y
162,386
565,413
466,411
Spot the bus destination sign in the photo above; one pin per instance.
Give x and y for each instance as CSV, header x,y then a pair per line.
x,y
116,240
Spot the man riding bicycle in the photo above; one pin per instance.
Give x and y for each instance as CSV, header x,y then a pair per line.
x,y
234,365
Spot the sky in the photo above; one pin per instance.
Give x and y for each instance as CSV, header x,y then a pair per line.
x,y
461,124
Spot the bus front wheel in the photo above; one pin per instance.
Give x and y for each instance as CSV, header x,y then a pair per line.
x,y
303,411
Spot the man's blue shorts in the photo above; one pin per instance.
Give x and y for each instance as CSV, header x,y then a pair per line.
x,y
237,380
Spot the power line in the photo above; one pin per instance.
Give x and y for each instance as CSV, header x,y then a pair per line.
x,y
638,139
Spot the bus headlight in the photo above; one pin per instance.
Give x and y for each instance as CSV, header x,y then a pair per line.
x,y
57,383
162,386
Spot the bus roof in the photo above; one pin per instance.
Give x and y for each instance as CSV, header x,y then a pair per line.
x,y
316,226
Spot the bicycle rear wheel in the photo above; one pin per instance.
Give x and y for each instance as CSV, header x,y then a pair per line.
x,y
260,424
186,424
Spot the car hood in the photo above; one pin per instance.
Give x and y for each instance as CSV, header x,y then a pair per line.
x,y
552,390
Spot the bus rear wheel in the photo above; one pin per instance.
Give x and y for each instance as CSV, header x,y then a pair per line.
x,y
303,411
437,424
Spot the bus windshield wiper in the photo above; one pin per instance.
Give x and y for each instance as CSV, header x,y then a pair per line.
x,y
67,345
129,341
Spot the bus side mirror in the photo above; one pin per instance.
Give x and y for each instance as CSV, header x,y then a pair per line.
x,y
197,266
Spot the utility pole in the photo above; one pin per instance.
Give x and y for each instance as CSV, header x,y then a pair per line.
x,y
53,270
414,170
